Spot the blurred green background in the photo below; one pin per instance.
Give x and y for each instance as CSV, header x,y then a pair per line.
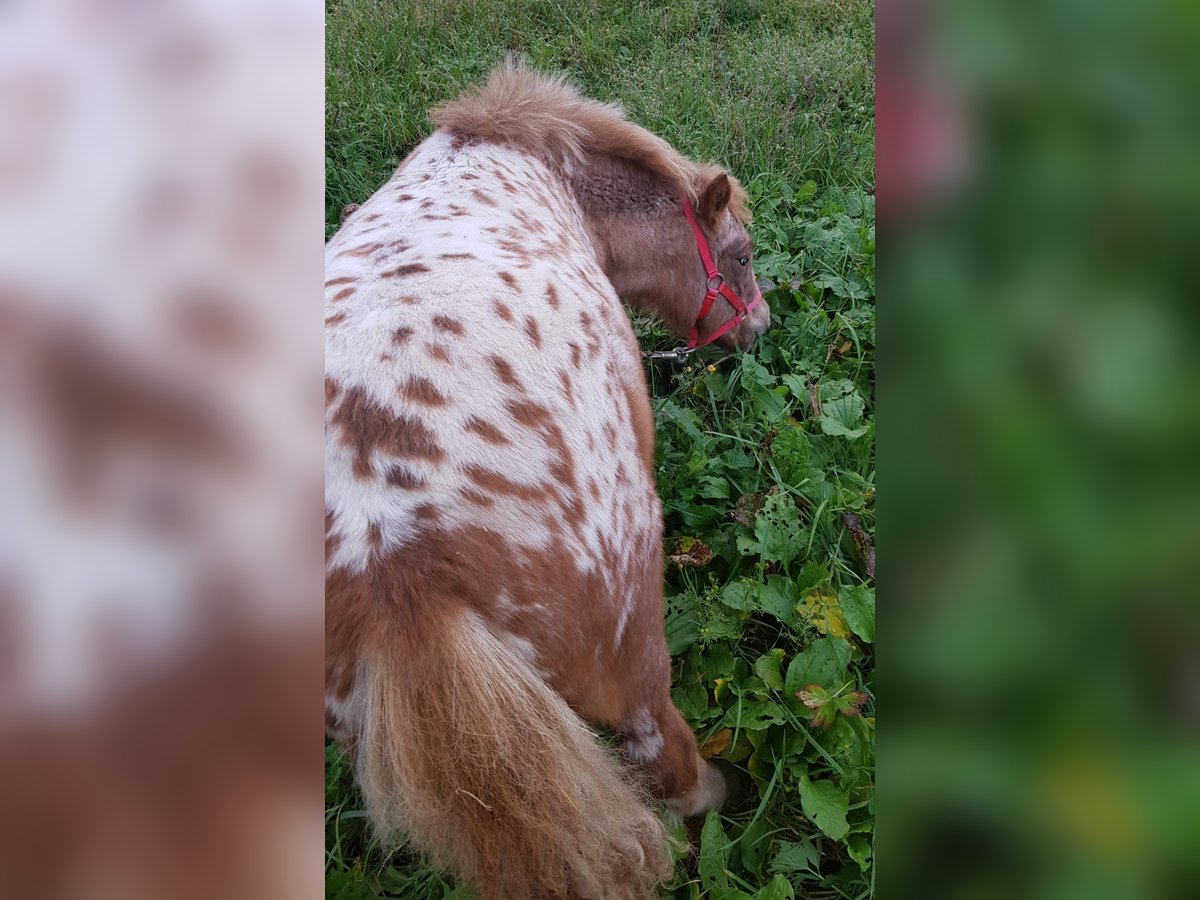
x,y
1040,413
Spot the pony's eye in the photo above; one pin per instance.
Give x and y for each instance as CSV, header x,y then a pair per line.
x,y
743,260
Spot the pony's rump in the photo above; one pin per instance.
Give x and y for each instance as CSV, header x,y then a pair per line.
x,y
467,752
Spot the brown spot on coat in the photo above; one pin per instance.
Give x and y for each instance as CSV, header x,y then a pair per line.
x,y
445,323
532,415
497,483
366,427
364,250
567,386
423,392
407,269
531,330
505,372
482,197
486,430
400,335
502,310
507,278
400,477
473,496
610,434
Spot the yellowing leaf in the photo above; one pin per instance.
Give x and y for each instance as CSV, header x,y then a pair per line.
x,y
688,551
824,613
721,688
717,744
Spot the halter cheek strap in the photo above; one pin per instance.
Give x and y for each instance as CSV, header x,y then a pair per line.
x,y
716,286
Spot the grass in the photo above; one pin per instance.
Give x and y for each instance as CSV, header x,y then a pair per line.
x,y
766,460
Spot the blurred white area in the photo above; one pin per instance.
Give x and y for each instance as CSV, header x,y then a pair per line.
x,y
161,210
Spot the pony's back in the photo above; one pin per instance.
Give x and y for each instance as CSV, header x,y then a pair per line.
x,y
490,512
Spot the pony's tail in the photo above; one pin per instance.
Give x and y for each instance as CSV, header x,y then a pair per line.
x,y
465,750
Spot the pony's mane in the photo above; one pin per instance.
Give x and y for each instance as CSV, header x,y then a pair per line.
x,y
547,116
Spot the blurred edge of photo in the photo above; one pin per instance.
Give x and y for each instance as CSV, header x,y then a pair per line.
x,y
161,173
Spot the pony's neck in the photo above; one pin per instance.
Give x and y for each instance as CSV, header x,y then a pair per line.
x,y
639,233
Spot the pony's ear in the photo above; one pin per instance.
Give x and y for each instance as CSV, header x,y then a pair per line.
x,y
713,200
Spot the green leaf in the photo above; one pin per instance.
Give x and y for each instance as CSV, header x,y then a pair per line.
x,y
755,715
772,404
755,374
842,409
728,893
860,850
825,805
779,888
346,884
811,577
801,857
680,623
777,529
686,419
798,387
753,846
806,191
778,597
768,667
741,595
713,487
858,608
714,852
822,662
691,701
791,451
717,662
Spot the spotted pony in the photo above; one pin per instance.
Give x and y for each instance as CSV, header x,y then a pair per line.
x,y
493,531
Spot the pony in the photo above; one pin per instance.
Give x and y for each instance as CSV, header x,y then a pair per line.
x,y
493,529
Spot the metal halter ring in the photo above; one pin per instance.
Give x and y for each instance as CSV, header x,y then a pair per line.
x,y
720,281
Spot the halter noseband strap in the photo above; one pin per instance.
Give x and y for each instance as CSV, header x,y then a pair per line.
x,y
716,285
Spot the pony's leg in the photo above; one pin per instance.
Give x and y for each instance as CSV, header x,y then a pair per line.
x,y
657,741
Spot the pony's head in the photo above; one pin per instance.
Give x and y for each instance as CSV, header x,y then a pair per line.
x,y
680,257
632,187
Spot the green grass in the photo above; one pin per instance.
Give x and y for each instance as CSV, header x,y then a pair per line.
x,y
762,455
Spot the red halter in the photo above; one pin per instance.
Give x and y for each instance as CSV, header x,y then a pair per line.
x,y
716,285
